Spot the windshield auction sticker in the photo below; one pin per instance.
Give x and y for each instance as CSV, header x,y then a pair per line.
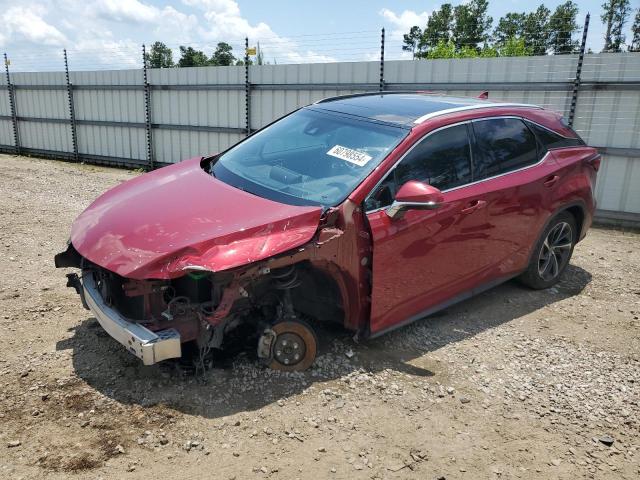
x,y
352,156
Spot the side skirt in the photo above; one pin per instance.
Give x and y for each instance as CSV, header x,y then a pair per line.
x,y
446,304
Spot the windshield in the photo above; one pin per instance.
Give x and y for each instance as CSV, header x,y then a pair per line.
x,y
308,158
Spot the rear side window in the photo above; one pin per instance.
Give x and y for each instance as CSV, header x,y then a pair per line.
x,y
504,145
549,139
442,159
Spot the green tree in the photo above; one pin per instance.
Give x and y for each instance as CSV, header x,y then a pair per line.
x,y
635,31
535,30
438,28
509,26
615,15
562,24
514,47
222,56
189,57
442,50
489,51
159,56
472,25
411,40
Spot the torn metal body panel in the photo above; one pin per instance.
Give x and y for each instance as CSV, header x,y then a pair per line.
x,y
145,281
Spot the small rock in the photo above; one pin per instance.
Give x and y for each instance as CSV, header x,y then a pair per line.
x,y
119,449
555,462
349,353
464,400
322,449
14,443
606,440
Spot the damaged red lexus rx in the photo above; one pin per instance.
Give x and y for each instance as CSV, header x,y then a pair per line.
x,y
370,211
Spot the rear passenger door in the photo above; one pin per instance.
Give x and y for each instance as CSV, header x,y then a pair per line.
x,y
515,177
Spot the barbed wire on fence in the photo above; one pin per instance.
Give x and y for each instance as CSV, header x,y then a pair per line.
x,y
326,47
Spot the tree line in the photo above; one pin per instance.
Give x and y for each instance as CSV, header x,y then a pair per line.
x,y
466,30
161,56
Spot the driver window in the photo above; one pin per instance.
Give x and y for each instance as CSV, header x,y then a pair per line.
x,y
442,159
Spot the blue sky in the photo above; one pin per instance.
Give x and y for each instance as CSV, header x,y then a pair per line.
x,y
108,33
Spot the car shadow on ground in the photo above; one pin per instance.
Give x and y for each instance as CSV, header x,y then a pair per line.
x,y
243,385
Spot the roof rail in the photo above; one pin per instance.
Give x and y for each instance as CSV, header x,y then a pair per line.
x,y
472,107
367,94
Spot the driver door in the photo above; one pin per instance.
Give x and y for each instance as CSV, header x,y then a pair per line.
x,y
426,257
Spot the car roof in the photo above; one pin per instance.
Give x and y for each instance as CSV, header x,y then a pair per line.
x,y
404,108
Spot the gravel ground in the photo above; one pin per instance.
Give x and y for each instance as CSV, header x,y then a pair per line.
x,y
511,384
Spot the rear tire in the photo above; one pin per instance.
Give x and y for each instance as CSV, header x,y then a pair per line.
x,y
552,252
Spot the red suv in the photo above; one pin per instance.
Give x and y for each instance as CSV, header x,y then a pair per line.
x,y
370,211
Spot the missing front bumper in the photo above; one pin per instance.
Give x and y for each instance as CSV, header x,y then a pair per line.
x,y
150,347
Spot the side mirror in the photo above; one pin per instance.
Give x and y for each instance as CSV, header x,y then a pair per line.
x,y
415,195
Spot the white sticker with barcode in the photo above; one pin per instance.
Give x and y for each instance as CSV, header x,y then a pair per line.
x,y
349,155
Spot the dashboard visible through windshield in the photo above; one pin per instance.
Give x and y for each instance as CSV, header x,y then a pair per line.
x,y
311,157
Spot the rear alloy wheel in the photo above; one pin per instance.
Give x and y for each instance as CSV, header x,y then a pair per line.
x,y
555,251
294,347
552,253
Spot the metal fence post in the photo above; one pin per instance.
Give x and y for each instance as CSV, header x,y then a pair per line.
x,y
12,107
72,113
576,82
382,60
147,110
247,89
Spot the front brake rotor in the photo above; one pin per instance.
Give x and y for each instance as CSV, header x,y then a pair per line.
x,y
294,347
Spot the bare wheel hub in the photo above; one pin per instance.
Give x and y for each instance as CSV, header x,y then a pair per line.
x,y
289,349
294,346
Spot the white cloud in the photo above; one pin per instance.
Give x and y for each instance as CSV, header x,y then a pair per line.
x,y
125,11
109,33
228,7
225,22
404,21
27,24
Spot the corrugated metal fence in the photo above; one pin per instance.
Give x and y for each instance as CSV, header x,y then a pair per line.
x,y
193,111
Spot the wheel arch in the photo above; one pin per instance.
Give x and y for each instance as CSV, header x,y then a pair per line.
x,y
577,209
578,212
322,293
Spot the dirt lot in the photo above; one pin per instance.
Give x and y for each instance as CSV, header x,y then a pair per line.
x,y
512,384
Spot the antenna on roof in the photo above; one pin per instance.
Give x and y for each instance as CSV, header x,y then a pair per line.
x,y
483,96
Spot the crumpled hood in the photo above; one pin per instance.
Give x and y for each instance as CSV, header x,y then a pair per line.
x,y
180,218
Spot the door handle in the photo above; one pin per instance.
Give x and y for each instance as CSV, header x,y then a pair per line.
x,y
551,181
473,206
